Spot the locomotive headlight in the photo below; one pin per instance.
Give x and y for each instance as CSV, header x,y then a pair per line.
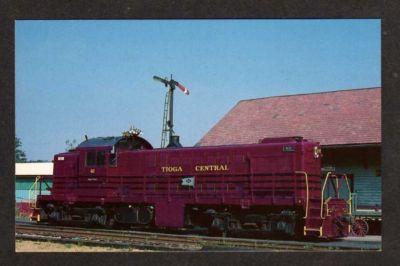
x,y
317,152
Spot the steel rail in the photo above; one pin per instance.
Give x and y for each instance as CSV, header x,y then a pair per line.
x,y
163,240
109,237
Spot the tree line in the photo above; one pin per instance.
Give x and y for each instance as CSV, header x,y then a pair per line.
x,y
20,155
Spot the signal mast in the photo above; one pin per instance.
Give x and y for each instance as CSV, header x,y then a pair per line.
x,y
168,117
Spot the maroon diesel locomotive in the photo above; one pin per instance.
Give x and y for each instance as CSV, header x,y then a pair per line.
x,y
272,186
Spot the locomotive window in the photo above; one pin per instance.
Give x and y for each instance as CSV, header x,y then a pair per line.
x,y
112,159
100,158
90,158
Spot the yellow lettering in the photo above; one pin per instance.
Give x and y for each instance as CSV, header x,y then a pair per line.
x,y
171,169
211,167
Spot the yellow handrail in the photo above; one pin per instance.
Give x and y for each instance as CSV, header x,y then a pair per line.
x,y
337,186
322,193
326,207
307,191
349,201
32,194
337,189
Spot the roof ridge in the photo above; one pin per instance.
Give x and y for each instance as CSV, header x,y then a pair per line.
x,y
301,94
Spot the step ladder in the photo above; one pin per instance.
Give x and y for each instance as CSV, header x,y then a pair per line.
x,y
312,219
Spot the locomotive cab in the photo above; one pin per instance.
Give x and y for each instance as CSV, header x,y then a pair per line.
x,y
97,154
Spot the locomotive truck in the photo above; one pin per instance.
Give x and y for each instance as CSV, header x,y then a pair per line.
x,y
272,186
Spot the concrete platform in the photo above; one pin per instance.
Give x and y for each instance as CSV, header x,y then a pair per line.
x,y
371,242
365,238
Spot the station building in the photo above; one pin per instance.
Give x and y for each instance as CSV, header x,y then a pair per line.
x,y
347,124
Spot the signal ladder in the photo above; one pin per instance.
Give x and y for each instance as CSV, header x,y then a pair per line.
x,y
165,128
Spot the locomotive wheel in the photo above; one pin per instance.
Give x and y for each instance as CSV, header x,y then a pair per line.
x,y
110,221
359,227
145,215
217,227
234,224
217,223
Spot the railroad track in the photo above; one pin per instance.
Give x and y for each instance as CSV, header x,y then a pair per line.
x,y
163,241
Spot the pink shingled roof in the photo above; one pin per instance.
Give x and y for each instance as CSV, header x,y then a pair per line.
x,y
332,118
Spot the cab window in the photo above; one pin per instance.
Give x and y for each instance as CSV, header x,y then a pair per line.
x,y
112,159
94,158
100,158
90,158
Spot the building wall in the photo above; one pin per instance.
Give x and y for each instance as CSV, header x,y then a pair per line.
x,y
22,186
365,165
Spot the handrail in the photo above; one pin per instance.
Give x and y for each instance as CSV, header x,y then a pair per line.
x,y
307,191
349,201
322,193
354,202
337,186
32,192
326,206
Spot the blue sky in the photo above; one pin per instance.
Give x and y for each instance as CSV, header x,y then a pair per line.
x,y
94,77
